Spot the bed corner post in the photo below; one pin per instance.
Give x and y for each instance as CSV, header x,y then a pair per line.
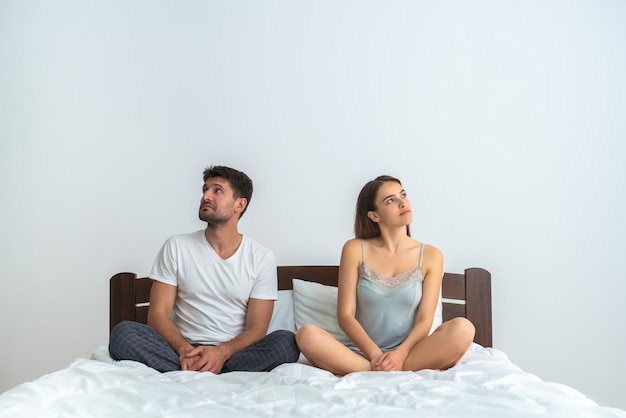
x,y
478,308
121,298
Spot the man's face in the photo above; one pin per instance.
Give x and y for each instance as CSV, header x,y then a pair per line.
x,y
218,203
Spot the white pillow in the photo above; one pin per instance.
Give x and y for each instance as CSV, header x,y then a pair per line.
x,y
282,317
315,303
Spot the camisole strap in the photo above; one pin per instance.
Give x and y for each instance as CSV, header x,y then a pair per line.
x,y
362,251
421,255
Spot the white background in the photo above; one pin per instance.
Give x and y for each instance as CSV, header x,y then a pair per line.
x,y
503,119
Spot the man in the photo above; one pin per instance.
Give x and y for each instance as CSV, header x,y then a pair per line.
x,y
212,295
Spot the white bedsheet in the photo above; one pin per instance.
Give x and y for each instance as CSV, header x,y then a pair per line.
x,y
484,384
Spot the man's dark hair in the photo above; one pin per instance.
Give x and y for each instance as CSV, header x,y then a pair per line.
x,y
239,181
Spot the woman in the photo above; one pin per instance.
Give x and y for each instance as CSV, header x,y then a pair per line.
x,y
388,290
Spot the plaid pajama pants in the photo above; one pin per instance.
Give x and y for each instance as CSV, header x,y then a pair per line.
x,y
139,342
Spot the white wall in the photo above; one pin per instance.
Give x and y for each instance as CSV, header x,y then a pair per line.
x,y
505,121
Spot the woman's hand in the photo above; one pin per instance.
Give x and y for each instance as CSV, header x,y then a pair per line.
x,y
391,361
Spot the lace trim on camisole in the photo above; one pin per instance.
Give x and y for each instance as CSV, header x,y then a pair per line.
x,y
365,270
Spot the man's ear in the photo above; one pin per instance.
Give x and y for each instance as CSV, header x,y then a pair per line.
x,y
373,216
242,202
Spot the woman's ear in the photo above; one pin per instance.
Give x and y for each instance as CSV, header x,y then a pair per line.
x,y
373,216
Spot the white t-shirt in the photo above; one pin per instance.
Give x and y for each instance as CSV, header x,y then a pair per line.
x,y
212,297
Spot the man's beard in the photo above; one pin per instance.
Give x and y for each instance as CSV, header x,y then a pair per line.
x,y
213,219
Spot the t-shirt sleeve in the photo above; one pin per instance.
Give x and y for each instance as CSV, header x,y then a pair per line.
x,y
266,284
165,267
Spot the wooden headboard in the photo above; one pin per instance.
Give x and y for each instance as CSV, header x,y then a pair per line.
x,y
467,295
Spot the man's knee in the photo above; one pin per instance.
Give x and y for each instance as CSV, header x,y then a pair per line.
x,y
282,336
119,337
287,341
122,329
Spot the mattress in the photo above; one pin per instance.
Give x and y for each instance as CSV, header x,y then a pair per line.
x,y
485,383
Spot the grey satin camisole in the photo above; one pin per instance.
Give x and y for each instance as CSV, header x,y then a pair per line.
x,y
386,307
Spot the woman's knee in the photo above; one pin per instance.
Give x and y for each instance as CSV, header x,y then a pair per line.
x,y
463,329
308,334
459,329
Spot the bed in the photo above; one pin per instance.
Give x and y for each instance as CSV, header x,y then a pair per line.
x,y
485,383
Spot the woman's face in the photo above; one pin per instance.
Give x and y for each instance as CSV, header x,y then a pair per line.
x,y
393,208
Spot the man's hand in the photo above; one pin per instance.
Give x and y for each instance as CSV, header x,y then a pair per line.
x,y
204,359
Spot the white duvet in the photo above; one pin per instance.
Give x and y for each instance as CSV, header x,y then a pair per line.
x,y
484,384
